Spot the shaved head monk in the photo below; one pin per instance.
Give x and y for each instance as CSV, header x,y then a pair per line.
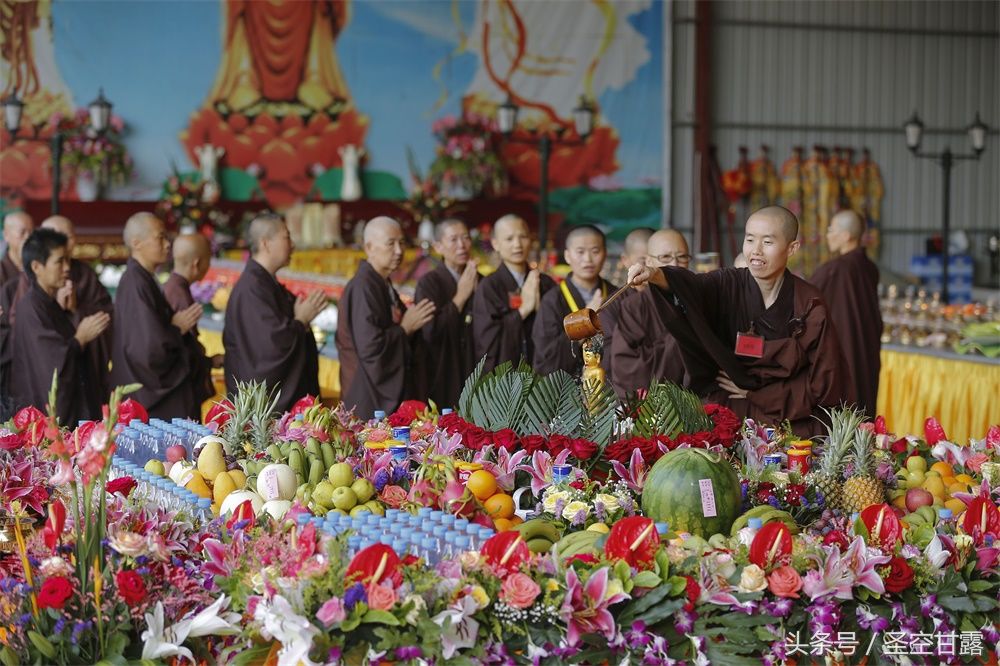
x,y
504,307
47,342
192,258
849,283
583,288
447,338
374,328
17,227
84,295
148,345
756,339
268,335
643,350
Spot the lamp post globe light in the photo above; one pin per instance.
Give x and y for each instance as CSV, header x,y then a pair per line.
x,y
99,112
13,107
913,130
583,122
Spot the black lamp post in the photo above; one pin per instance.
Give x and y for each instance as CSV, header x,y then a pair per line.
x,y
946,159
100,114
583,120
13,107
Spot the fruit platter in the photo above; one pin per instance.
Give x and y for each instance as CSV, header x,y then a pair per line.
x,y
531,523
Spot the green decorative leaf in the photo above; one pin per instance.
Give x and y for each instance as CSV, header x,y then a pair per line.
x,y
380,617
8,657
957,604
41,644
979,585
469,389
647,579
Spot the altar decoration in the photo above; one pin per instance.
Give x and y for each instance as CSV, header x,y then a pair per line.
x,y
466,164
94,160
186,205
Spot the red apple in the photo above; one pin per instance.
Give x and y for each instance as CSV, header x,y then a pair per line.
x,y
176,452
918,497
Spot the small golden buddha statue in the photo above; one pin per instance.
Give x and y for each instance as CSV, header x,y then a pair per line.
x,y
593,374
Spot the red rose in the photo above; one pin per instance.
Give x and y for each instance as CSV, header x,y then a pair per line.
x,y
794,493
26,417
620,450
505,439
900,576
54,593
123,485
406,413
583,449
131,587
651,451
698,440
451,423
532,443
899,446
475,438
558,444
836,538
397,420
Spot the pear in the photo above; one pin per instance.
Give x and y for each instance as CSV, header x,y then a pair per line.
x,y
211,461
224,484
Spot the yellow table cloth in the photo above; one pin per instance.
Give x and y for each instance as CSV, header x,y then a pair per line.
x,y
964,395
329,370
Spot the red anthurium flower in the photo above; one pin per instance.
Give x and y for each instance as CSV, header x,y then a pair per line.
x,y
981,518
506,551
883,526
933,432
303,404
374,565
772,543
27,416
123,484
128,410
635,540
242,512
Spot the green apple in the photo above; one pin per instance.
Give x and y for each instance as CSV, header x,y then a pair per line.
x,y
916,464
359,509
364,489
323,494
155,467
344,498
339,512
376,507
341,475
914,479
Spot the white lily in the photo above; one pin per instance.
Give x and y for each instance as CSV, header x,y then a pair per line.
x,y
280,622
160,642
936,553
461,629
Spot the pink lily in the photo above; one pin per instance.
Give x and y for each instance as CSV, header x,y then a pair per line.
x,y
504,468
585,607
372,461
635,476
540,469
443,445
840,573
714,588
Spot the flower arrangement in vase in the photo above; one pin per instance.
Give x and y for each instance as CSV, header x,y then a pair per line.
x,y
182,205
467,164
94,159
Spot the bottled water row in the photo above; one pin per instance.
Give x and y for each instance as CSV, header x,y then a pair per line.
x,y
429,534
152,489
139,442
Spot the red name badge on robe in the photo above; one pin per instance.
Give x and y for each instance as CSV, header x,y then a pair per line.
x,y
748,344
514,300
397,315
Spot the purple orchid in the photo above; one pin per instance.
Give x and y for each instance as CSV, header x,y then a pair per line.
x,y
870,621
540,469
635,476
585,607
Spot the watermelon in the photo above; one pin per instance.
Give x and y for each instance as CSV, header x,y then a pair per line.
x,y
693,490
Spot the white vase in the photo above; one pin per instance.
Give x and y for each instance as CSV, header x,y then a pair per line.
x,y
86,186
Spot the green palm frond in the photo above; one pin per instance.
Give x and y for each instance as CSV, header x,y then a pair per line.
x,y
669,410
471,384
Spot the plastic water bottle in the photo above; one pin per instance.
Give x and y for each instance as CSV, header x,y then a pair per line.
x,y
205,509
946,522
429,550
747,534
461,544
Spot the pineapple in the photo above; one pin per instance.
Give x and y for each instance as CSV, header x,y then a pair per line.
x,y
250,426
863,489
828,476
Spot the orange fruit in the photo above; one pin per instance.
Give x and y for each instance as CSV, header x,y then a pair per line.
x,y
942,468
503,525
965,478
482,484
957,487
516,520
500,505
957,506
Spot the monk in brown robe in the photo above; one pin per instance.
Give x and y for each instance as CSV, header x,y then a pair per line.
x,y
268,335
374,328
505,303
583,288
643,350
758,340
447,338
17,226
192,258
46,341
84,295
148,345
633,252
849,283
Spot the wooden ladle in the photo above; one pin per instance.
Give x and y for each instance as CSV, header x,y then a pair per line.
x,y
584,323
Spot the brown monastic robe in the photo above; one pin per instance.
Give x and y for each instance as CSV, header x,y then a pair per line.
x,y
177,291
553,348
149,350
446,341
850,288
264,341
10,293
44,341
8,269
801,370
375,352
91,298
642,349
498,330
